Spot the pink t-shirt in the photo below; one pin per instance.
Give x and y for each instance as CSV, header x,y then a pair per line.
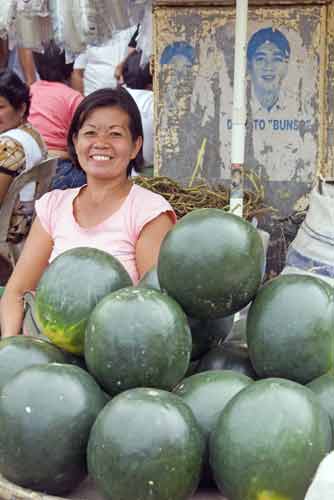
x,y
116,235
52,107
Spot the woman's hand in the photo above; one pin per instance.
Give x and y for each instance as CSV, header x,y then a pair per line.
x,y
25,277
149,241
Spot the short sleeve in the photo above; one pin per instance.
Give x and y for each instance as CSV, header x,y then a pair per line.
x,y
74,103
44,209
147,207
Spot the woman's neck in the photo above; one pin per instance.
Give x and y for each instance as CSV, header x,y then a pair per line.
x,y
98,190
97,201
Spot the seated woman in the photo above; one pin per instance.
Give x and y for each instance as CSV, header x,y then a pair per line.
x,y
21,148
53,104
109,213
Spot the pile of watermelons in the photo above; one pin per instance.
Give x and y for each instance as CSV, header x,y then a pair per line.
x,y
152,389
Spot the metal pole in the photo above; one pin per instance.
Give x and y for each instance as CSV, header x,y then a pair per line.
x,y
239,109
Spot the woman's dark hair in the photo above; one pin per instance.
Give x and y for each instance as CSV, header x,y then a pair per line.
x,y
135,76
51,64
106,98
14,90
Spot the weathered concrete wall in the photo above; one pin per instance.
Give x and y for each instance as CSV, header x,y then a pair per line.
x,y
288,139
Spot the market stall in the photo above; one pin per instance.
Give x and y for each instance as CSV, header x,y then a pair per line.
x,y
155,389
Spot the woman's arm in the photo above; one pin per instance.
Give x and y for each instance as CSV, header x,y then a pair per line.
x,y
77,80
27,273
26,60
149,241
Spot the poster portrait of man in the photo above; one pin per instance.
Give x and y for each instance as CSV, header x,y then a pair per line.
x,y
268,55
176,62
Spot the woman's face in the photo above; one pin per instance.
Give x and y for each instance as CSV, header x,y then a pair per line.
x,y
104,144
9,116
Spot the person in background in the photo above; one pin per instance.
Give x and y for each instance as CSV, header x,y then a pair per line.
x,y
21,148
21,61
138,82
110,213
132,48
95,68
53,104
18,59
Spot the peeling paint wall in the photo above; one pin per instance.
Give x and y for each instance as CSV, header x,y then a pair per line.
x,y
286,142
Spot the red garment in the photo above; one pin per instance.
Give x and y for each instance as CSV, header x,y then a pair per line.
x,y
52,107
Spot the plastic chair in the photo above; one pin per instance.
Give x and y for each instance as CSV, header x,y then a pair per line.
x,y
42,175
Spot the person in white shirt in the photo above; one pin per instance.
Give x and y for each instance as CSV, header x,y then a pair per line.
x,y
94,69
138,82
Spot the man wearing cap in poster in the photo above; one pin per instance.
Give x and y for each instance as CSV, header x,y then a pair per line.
x,y
176,62
282,111
268,55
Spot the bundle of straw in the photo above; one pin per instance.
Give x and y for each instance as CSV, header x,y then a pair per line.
x,y
185,199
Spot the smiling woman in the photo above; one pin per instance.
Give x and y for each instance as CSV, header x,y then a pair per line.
x,y
109,213
104,146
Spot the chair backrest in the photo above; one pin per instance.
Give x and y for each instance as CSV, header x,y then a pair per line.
x,y
42,174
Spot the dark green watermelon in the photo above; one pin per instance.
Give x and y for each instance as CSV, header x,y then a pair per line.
x,y
137,337
323,387
204,333
207,394
69,290
228,356
211,262
46,414
146,445
269,441
290,330
21,352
